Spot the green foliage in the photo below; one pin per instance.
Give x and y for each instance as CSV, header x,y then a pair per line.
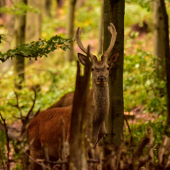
x,y
142,3
136,12
18,167
36,49
141,84
87,17
91,21
53,81
18,9
139,129
2,38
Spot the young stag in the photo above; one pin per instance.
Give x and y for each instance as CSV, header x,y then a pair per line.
x,y
47,127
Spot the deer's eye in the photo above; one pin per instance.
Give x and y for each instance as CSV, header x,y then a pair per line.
x,y
108,68
92,69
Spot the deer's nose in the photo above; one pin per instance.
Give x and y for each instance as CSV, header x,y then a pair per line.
x,y
101,78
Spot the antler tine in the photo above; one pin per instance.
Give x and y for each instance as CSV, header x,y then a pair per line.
x,y
112,30
78,39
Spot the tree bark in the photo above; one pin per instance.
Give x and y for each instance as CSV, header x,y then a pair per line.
x,y
19,65
34,21
101,31
159,34
70,28
8,22
2,4
167,61
114,13
78,119
60,3
80,3
48,5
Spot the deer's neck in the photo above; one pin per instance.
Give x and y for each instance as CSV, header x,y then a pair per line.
x,y
100,102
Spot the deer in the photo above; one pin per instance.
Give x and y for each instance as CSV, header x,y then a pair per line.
x,y
47,127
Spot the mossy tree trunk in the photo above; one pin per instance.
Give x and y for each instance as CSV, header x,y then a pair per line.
x,y
159,34
19,65
167,61
114,13
70,28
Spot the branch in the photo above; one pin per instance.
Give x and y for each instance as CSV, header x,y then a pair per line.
x,y
34,100
17,105
36,48
11,136
130,132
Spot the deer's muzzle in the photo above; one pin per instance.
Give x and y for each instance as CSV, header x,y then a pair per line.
x,y
101,79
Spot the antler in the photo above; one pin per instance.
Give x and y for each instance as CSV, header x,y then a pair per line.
x,y
78,39
112,30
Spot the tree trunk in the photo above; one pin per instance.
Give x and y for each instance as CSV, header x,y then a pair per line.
x,y
114,13
34,20
80,3
2,4
48,5
8,22
20,24
101,31
167,61
159,34
78,119
70,28
60,3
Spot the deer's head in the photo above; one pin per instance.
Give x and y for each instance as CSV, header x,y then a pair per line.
x,y
100,69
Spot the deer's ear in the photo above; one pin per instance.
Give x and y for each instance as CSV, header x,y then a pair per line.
x,y
113,58
82,58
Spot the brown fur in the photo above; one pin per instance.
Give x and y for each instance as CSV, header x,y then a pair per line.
x,y
42,132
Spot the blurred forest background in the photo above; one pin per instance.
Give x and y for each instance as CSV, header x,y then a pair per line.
x,y
46,79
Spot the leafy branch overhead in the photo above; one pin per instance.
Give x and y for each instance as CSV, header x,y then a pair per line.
x,y
37,49
18,9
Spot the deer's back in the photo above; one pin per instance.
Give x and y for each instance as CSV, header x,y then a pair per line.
x,y
47,128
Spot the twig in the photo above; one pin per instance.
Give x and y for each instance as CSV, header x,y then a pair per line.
x,y
51,162
151,124
7,138
39,162
46,156
17,105
130,132
34,100
66,162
